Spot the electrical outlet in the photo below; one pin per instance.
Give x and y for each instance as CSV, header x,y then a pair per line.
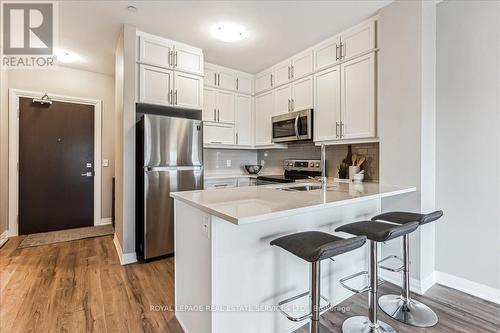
x,y
228,163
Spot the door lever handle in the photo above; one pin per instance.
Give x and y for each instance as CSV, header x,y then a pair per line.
x,y
87,174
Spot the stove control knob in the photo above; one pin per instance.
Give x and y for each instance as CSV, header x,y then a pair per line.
x,y
317,165
311,164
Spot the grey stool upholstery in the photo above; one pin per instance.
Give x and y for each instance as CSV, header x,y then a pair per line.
x,y
375,232
402,307
315,246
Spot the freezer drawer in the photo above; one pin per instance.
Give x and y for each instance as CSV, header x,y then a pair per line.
x,y
159,206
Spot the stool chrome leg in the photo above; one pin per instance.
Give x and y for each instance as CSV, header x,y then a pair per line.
x,y
370,324
315,296
402,307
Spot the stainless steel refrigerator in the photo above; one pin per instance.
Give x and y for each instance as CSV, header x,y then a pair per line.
x,y
169,154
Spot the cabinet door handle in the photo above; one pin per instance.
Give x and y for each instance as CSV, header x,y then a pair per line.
x,y
170,96
336,52
175,62
292,69
218,79
215,79
236,137
342,51
237,84
218,115
341,129
293,104
336,129
215,114
288,105
169,58
271,80
288,72
175,95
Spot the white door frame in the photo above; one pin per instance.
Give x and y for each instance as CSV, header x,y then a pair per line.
x,y
14,95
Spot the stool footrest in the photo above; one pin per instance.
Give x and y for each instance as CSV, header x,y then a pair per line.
x,y
387,268
353,276
306,316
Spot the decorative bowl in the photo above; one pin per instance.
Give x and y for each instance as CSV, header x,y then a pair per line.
x,y
253,169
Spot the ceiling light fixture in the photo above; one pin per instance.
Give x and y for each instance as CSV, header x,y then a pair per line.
x,y
66,57
132,9
228,32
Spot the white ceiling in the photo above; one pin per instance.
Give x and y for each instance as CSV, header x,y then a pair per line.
x,y
276,29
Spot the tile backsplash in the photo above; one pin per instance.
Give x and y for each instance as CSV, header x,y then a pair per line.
x,y
273,158
216,160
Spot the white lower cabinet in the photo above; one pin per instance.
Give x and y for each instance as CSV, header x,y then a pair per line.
x,y
218,133
220,183
264,106
357,81
244,120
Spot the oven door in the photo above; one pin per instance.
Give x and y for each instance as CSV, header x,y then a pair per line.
x,y
293,126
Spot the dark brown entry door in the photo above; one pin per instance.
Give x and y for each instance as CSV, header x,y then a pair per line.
x,y
56,166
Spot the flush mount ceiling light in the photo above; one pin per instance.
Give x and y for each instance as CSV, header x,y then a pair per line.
x,y
66,57
229,32
132,9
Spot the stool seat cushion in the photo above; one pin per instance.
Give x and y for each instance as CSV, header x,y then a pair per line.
x,y
315,246
405,217
378,231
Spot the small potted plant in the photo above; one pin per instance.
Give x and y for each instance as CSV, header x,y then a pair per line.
x,y
342,169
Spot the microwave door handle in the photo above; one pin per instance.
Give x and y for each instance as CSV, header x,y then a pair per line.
x,y
296,126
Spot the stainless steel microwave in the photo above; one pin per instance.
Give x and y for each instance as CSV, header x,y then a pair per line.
x,y
293,126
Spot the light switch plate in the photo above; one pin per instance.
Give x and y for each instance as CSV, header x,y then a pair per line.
x,y
228,163
105,163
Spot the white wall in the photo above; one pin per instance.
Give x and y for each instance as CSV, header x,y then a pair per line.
x,y
406,118
70,82
468,140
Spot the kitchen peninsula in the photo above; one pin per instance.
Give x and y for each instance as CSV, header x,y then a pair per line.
x,y
227,276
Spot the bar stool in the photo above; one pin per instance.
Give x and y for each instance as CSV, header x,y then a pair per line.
x,y
375,232
402,307
314,246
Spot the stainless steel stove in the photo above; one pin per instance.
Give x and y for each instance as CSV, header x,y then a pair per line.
x,y
294,169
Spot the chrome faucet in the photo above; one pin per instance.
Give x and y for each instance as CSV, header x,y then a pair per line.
x,y
323,178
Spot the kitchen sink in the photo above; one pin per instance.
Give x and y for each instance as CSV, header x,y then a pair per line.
x,y
300,188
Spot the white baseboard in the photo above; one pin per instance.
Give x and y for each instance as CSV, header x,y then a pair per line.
x,y
469,287
125,258
104,221
417,286
4,237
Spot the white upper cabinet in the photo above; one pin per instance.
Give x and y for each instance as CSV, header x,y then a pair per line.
x,y
218,133
357,81
302,94
263,81
188,91
225,107
358,39
209,112
282,73
244,120
327,104
155,85
327,53
155,51
226,79
244,83
282,99
264,105
301,65
188,58
218,105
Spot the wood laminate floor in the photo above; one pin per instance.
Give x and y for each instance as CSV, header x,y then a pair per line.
x,y
79,286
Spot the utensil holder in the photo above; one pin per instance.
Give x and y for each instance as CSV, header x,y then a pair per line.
x,y
352,171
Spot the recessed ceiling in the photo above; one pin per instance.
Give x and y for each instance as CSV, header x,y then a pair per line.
x,y
275,30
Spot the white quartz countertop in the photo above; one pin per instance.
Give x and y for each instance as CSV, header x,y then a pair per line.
x,y
242,205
